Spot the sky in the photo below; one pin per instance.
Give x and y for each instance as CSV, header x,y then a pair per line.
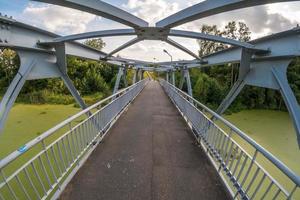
x,y
262,20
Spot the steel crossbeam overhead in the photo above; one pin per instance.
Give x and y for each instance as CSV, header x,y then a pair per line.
x,y
94,34
179,46
214,38
209,8
124,46
102,9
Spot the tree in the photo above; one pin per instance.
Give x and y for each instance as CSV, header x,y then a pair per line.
x,y
96,43
237,31
208,47
9,65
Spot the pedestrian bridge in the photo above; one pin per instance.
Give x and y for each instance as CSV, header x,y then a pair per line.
x,y
150,140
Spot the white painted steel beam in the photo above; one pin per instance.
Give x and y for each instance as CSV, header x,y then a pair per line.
x,y
102,9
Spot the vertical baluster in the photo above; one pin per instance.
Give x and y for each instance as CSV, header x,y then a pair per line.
x,y
242,168
45,171
31,183
292,192
238,162
235,151
69,147
258,186
213,141
276,194
39,178
220,140
61,156
229,155
252,180
75,150
55,160
48,160
68,162
222,151
249,168
22,187
225,139
247,172
89,127
1,197
76,131
227,144
86,137
267,191
8,185
81,137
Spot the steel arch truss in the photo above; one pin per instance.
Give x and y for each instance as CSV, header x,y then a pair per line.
x,y
263,62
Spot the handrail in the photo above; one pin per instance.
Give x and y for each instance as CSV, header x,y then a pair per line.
x,y
52,130
285,169
187,105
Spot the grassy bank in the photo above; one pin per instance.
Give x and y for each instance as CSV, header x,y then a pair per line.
x,y
25,122
273,130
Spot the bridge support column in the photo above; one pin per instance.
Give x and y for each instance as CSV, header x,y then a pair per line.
x,y
122,73
173,77
37,65
14,88
244,69
61,61
266,74
142,74
185,76
167,76
135,76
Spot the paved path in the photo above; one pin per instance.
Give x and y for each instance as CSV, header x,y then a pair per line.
x,y
148,154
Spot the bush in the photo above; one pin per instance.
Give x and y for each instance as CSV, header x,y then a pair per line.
x,y
208,91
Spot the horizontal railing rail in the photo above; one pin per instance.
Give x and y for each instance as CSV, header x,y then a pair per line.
x,y
240,161
42,168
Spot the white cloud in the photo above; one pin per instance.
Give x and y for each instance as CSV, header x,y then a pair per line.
x,y
151,10
259,19
57,19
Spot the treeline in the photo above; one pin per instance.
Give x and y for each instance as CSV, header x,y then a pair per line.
x,y
211,84
93,79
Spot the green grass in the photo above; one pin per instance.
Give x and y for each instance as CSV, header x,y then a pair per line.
x,y
25,122
273,130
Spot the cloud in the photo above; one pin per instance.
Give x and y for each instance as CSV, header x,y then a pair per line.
x,y
57,19
260,20
151,10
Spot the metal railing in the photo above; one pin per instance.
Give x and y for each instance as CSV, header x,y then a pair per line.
x,y
239,160
43,167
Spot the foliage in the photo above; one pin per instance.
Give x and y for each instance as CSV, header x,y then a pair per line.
x,y
96,43
237,31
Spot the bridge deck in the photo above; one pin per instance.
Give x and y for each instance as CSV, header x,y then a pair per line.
x,y
148,154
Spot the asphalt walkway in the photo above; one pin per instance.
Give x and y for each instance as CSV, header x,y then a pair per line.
x,y
148,154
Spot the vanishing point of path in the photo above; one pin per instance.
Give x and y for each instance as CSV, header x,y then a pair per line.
x,y
148,154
